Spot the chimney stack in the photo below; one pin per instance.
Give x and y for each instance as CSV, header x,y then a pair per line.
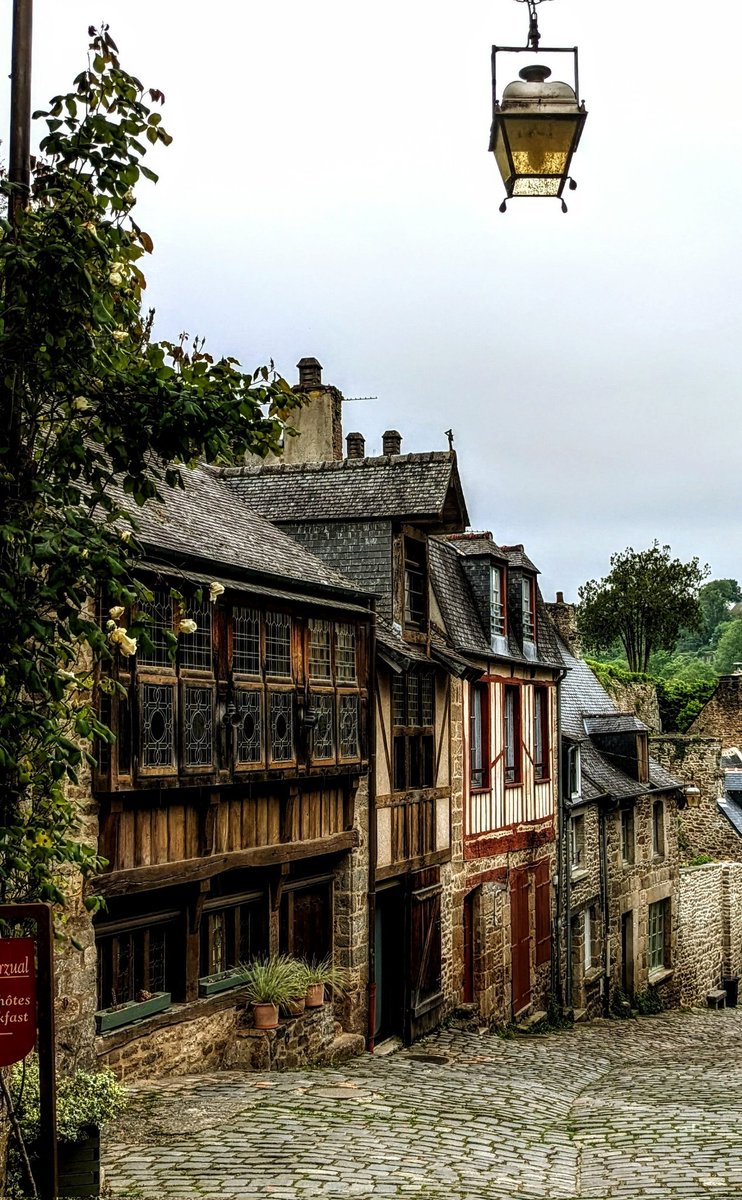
x,y
356,444
310,372
564,616
392,442
560,598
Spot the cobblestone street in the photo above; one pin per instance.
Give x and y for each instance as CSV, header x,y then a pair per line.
x,y
645,1108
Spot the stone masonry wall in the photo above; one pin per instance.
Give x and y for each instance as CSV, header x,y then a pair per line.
x,y
721,717
360,550
350,941
695,761
635,697
710,928
453,874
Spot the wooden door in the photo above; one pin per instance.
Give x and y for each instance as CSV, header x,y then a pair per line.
x,y
627,952
469,907
520,941
425,949
390,962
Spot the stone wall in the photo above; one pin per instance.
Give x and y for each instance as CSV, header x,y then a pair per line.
x,y
635,697
721,716
453,874
710,928
350,933
695,761
217,1034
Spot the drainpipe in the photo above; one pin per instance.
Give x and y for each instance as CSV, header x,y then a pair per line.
x,y
371,734
602,824
567,856
556,958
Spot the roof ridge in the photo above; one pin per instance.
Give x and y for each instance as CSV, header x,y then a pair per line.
x,y
340,464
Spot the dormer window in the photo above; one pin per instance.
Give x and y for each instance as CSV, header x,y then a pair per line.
x,y
528,603
574,772
415,588
497,606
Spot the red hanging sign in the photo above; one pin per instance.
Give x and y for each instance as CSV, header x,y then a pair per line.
x,y
17,999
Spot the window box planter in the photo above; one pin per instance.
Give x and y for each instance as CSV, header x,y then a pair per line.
x,y
133,1010
210,985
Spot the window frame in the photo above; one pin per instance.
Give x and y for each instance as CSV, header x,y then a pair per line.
x,y
628,835
528,608
541,732
414,567
577,843
659,849
413,742
498,602
658,929
480,707
512,692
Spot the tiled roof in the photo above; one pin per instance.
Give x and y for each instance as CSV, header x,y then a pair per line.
x,y
423,486
586,706
517,557
205,521
477,545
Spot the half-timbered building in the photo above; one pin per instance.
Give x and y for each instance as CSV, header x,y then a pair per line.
x,y
372,518
490,607
232,807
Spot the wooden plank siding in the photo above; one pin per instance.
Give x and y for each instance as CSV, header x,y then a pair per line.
x,y
529,801
134,834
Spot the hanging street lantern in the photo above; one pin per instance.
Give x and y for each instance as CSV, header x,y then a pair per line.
x,y
537,125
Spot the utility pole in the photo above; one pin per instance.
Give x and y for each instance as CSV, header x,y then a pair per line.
x,y
20,107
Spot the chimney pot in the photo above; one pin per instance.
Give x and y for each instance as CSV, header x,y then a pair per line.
x,y
392,442
560,598
310,372
356,445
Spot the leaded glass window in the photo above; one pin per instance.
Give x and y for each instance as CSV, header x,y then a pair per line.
x,y
282,726
324,731
426,699
133,961
345,653
158,618
249,747
246,641
195,648
398,699
656,936
198,727
278,644
158,742
349,727
320,665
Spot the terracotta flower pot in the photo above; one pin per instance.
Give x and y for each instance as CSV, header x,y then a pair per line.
x,y
315,995
296,1007
265,1016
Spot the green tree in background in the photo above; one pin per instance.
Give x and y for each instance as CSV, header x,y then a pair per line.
x,y
644,601
86,398
729,648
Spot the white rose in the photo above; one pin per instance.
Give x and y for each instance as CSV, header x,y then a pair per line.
x,y
119,335
125,535
110,625
116,278
215,589
81,403
117,611
187,626
128,645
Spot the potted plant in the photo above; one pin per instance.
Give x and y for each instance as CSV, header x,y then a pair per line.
x,y
321,975
270,983
85,1102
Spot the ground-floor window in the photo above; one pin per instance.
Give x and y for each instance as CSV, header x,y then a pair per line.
x,y
136,961
657,936
306,919
232,932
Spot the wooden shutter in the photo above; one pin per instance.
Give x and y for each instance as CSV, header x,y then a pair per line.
x,y
425,941
542,881
520,941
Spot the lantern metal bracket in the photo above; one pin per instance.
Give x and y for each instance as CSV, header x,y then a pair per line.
x,y
534,37
573,50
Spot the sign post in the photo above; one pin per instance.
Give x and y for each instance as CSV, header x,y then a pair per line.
x,y
27,1009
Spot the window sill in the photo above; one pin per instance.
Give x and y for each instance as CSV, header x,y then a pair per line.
x,y
481,789
593,976
514,784
576,876
660,975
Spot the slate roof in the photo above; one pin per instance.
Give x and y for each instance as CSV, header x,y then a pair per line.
x,y
459,611
585,704
409,486
476,545
455,600
517,557
205,521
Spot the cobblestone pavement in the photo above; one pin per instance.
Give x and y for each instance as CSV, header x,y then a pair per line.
x,y
606,1111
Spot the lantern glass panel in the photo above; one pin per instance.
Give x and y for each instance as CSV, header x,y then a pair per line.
x,y
540,146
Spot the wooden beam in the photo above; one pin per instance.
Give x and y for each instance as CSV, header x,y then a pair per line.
x,y
120,883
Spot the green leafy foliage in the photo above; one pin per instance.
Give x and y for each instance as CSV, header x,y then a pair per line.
x,y
729,648
644,601
649,1002
85,1100
91,408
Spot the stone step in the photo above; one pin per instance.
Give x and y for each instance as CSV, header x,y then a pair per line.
x,y
345,1045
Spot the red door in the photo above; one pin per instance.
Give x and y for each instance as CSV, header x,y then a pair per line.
x,y
520,941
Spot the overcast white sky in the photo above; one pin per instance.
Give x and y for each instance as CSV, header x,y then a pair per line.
x,y
329,193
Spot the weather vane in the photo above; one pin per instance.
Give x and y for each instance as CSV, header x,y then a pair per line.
x,y
537,125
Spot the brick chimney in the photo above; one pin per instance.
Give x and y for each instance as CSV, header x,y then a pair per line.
x,y
392,442
319,421
356,444
564,617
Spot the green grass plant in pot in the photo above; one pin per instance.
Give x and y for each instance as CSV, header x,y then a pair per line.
x,y
321,975
271,983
